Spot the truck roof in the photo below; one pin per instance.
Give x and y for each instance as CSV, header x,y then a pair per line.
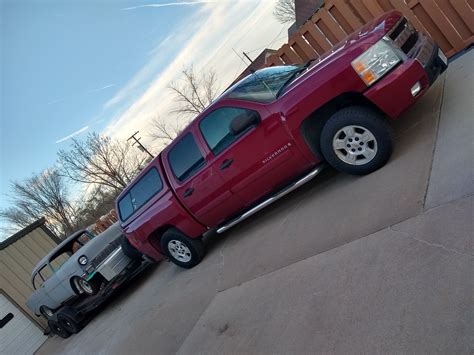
x,y
63,245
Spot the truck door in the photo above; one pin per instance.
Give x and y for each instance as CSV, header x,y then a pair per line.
x,y
259,159
197,182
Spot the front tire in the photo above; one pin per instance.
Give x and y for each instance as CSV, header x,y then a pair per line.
x,y
356,140
183,251
90,288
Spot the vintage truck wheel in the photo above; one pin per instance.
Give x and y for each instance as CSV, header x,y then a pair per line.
x,y
67,320
90,288
58,329
356,140
181,250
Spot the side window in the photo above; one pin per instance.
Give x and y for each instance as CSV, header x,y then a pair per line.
x,y
185,158
37,281
58,261
215,127
41,276
143,190
146,188
125,207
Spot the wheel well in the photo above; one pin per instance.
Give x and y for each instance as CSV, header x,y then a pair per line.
x,y
313,125
73,286
155,237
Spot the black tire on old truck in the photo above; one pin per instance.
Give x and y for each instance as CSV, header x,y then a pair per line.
x,y
182,250
58,329
356,140
67,318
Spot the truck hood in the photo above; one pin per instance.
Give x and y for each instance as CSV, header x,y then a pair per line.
x,y
355,44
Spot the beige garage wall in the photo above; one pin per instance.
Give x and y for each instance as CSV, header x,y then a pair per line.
x,y
18,256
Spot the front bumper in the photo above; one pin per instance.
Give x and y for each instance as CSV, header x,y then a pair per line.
x,y
393,93
114,264
427,53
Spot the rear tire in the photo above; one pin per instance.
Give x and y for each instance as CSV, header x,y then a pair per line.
x,y
58,329
357,140
67,320
183,251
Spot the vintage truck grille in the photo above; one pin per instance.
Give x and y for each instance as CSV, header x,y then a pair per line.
x,y
404,35
105,253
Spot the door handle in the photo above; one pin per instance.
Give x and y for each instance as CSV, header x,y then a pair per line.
x,y
189,191
226,163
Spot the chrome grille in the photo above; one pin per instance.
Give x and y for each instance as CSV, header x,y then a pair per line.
x,y
105,253
404,36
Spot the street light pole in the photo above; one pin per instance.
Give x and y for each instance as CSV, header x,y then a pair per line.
x,y
138,143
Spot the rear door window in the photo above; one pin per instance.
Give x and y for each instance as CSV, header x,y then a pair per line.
x,y
143,190
185,158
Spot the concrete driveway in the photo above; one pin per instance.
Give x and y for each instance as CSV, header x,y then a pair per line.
x,y
380,263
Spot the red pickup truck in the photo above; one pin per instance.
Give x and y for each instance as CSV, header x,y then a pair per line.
x,y
275,130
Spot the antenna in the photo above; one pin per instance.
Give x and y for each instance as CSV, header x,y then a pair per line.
x,y
242,59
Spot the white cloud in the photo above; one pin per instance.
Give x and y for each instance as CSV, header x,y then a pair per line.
x,y
180,3
101,88
79,94
83,129
206,40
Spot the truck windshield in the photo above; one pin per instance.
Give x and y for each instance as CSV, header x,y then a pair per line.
x,y
265,85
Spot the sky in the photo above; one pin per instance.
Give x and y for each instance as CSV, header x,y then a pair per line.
x,y
69,68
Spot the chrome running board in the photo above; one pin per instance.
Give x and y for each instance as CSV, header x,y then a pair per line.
x,y
272,199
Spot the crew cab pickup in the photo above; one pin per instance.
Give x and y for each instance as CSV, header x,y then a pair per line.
x,y
275,130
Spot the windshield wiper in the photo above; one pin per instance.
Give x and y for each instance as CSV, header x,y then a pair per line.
x,y
293,76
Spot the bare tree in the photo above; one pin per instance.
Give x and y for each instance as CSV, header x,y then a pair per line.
x,y
195,91
42,195
102,161
284,11
165,130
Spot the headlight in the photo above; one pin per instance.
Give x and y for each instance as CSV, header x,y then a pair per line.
x,y
375,62
83,260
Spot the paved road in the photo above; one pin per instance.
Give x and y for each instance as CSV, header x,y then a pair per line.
x,y
346,264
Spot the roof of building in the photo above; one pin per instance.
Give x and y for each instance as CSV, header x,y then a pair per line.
x,y
18,235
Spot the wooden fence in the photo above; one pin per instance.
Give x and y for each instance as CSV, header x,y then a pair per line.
x,y
104,222
449,22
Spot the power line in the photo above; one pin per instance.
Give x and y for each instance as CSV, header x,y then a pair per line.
x,y
271,42
242,59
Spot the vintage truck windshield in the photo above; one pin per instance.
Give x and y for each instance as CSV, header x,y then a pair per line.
x,y
265,85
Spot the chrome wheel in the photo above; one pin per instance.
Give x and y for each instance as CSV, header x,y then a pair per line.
x,y
179,251
355,145
86,287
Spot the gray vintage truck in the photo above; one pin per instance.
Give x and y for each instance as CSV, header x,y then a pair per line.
x,y
79,274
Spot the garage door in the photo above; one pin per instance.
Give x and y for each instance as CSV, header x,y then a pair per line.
x,y
18,334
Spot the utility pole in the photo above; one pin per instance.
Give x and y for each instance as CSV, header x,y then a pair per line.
x,y
136,141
